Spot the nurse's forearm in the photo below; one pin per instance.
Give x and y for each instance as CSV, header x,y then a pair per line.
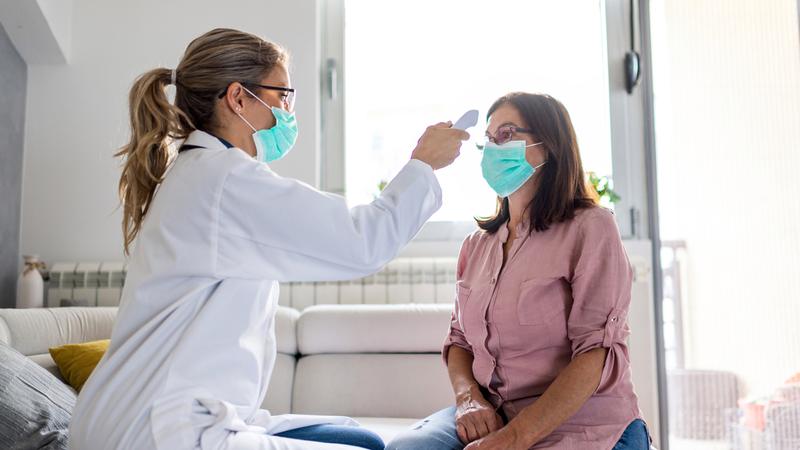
x,y
565,396
459,367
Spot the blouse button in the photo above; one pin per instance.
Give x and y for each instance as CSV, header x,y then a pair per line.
x,y
614,319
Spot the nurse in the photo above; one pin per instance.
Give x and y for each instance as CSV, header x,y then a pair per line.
x,y
210,233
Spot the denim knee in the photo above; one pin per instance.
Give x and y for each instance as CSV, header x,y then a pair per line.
x,y
370,440
407,441
414,440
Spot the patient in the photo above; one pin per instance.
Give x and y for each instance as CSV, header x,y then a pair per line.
x,y
536,350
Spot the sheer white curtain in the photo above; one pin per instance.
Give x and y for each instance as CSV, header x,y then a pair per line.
x,y
727,104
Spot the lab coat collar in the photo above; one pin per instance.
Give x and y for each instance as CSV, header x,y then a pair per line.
x,y
209,141
205,140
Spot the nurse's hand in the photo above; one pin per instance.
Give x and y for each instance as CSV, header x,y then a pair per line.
x,y
440,145
475,417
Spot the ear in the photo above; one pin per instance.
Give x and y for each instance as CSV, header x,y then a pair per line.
x,y
235,97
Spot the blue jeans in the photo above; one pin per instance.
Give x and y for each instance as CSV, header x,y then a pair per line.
x,y
438,432
635,437
336,434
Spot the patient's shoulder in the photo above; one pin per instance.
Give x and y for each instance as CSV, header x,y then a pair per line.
x,y
596,217
597,224
475,240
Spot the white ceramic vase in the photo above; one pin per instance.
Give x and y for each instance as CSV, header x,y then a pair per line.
x,y
30,286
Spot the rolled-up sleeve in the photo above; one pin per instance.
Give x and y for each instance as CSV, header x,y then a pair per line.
x,y
455,335
601,290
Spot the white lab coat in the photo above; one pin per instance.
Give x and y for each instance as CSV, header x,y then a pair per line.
x,y
193,346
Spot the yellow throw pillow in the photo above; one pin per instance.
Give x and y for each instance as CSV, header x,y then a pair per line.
x,y
77,361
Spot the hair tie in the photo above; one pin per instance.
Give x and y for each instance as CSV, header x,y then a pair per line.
x,y
173,77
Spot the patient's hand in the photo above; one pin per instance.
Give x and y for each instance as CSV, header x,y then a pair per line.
x,y
504,439
475,416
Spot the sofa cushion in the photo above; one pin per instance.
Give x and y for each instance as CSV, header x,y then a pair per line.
x,y
285,325
371,385
412,328
34,331
77,361
46,361
35,407
278,399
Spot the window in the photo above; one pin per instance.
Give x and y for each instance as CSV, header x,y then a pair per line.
x,y
417,62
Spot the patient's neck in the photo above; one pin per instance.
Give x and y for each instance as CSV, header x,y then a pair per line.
x,y
518,203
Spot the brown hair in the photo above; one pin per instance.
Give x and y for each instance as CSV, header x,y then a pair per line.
x,y
562,187
210,64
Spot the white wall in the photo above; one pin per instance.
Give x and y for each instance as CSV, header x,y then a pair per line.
x,y
77,112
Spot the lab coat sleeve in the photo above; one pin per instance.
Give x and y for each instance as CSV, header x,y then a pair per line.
x,y
271,227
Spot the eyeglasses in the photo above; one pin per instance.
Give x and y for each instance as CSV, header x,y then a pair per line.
x,y
504,134
287,94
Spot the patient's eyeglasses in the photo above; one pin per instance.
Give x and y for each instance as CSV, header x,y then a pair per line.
x,y
504,134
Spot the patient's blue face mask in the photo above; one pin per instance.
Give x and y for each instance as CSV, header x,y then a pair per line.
x,y
274,143
505,168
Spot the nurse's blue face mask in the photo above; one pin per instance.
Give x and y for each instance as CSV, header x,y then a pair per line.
x,y
273,143
504,165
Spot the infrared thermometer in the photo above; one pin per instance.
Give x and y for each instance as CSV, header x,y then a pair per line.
x,y
468,120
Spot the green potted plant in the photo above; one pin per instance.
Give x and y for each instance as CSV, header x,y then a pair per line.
x,y
603,185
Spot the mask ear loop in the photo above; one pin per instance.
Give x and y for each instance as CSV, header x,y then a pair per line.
x,y
533,145
255,130
238,113
263,103
246,121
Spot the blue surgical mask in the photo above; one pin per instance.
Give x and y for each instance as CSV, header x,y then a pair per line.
x,y
505,168
274,143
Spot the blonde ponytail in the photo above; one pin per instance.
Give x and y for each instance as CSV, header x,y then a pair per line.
x,y
154,123
210,64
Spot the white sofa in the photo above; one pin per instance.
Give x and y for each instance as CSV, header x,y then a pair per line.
x,y
377,363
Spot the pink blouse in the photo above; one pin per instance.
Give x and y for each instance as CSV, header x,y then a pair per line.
x,y
563,292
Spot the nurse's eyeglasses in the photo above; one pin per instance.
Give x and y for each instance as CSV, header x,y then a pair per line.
x,y
287,94
504,134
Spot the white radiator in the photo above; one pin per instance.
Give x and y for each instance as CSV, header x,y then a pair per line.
x,y
404,280
85,284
